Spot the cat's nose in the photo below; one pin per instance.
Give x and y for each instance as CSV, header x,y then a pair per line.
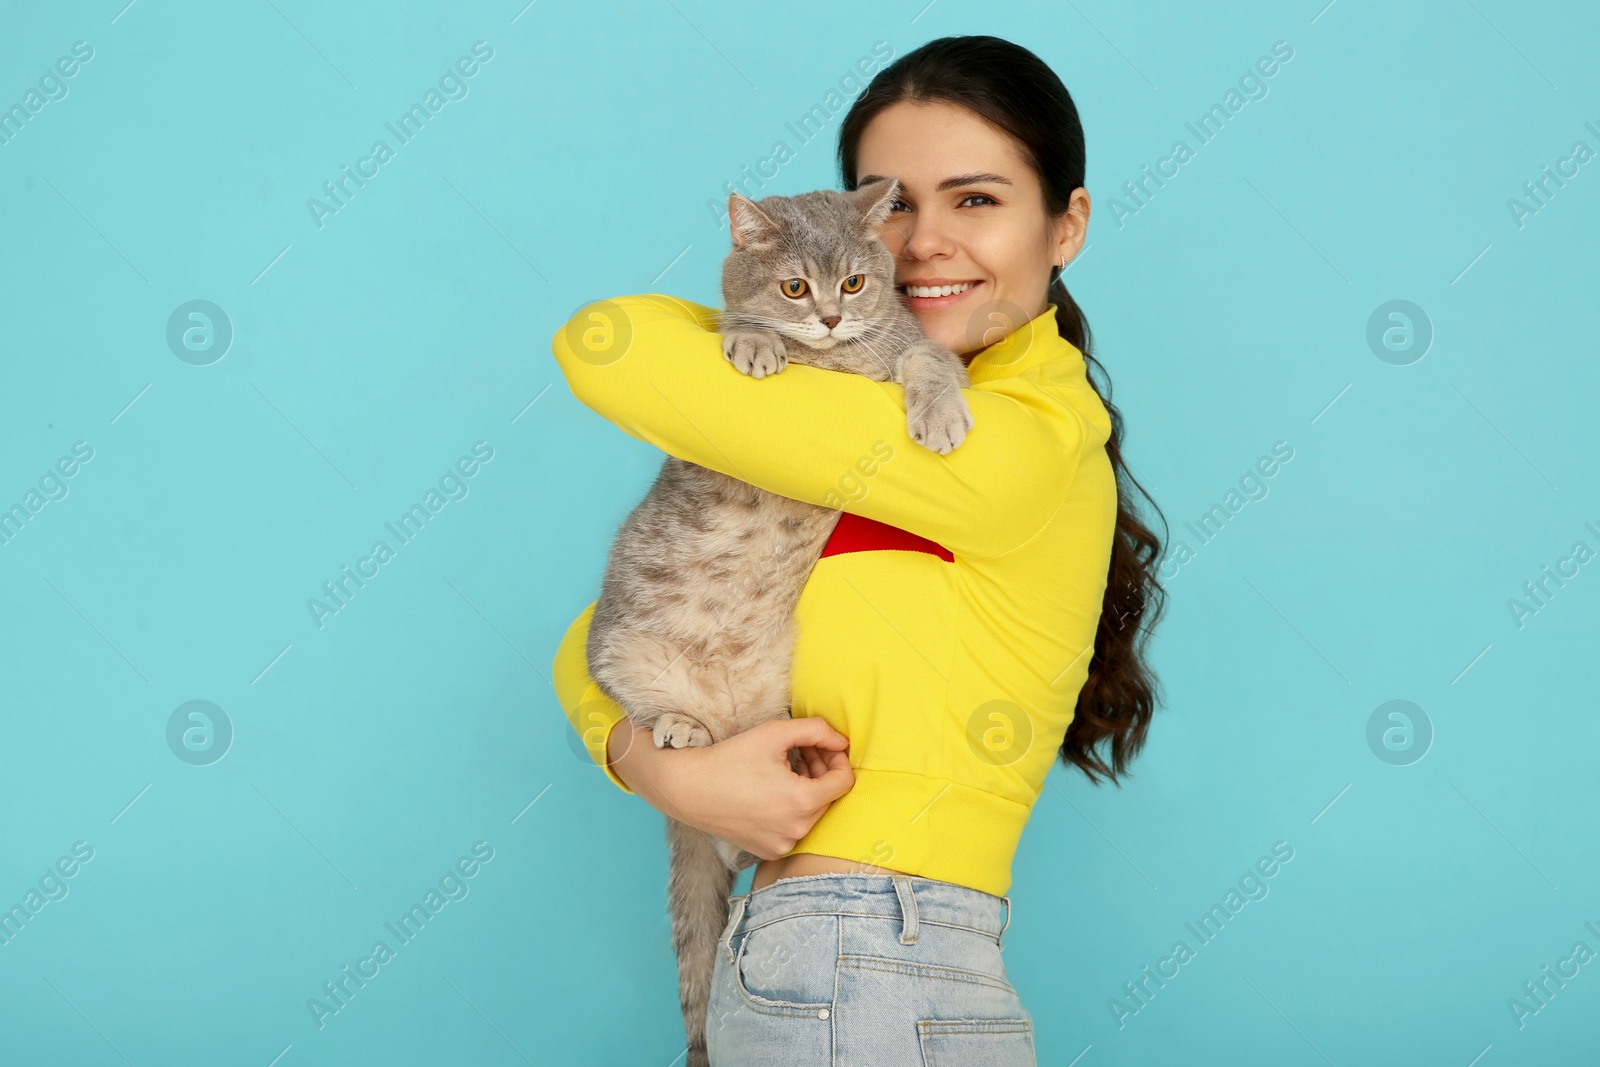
x,y
830,321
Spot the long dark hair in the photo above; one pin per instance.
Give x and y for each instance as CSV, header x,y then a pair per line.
x,y
1015,91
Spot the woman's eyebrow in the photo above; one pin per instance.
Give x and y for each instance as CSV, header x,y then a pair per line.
x,y
952,183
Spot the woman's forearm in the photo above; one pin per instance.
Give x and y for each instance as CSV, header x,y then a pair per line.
x,y
633,756
661,776
744,789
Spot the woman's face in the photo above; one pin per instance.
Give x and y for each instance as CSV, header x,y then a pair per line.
x,y
969,213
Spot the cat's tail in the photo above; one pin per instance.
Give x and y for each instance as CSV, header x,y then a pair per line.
x,y
697,903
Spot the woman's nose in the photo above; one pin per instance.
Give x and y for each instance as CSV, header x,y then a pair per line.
x,y
924,241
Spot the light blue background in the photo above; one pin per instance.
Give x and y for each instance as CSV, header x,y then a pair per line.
x,y
369,354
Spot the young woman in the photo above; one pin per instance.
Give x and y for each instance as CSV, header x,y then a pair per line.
x,y
973,615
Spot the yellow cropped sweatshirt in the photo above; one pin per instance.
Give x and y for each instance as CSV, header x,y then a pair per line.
x,y
948,626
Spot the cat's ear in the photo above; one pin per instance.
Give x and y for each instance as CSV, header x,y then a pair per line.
x,y
750,226
875,199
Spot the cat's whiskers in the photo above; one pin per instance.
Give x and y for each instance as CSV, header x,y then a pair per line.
x,y
750,319
867,339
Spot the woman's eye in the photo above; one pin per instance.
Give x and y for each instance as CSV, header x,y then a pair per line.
x,y
898,205
793,287
979,196
853,283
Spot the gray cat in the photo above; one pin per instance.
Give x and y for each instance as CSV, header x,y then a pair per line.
x,y
693,631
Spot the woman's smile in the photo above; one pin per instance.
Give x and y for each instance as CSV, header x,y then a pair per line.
x,y
934,295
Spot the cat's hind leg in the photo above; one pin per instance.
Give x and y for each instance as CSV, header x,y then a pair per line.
x,y
660,684
676,730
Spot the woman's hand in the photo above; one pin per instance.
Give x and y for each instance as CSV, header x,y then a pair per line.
x,y
814,762
745,789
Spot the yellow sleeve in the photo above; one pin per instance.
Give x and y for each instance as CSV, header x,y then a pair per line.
x,y
589,710
653,365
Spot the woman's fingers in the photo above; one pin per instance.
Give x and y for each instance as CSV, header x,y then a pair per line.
x,y
800,761
809,761
809,744
803,759
806,730
832,784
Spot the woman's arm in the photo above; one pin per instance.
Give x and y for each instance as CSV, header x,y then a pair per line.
x,y
589,710
653,365
743,789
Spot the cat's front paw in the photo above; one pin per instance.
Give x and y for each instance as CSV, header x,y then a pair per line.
x,y
757,353
941,422
679,731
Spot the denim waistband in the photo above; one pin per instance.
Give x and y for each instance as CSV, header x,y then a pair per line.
x,y
910,899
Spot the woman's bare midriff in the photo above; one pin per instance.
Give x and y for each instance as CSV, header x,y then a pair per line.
x,y
802,863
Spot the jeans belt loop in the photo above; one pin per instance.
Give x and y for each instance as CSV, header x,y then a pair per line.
x,y
734,919
908,909
999,940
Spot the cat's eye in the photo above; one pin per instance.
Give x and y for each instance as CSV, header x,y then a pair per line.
x,y
793,288
853,283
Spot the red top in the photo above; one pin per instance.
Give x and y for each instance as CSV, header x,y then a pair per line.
x,y
856,533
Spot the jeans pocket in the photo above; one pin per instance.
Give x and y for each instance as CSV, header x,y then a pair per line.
x,y
788,966
976,1042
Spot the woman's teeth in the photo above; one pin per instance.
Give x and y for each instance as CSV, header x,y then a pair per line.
x,y
938,290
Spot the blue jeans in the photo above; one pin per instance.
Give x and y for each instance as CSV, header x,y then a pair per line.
x,y
846,969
